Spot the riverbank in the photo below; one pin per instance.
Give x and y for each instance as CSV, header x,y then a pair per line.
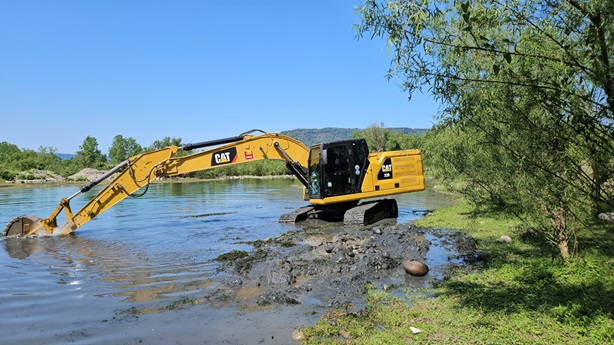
x,y
522,295
82,180
332,266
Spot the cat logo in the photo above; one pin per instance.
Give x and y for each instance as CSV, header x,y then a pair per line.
x,y
386,170
224,157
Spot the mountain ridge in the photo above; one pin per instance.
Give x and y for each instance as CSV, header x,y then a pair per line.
x,y
311,136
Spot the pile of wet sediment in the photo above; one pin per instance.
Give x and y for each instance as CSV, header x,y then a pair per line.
x,y
334,266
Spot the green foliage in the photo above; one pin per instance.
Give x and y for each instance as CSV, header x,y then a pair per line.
x,y
8,153
519,297
528,99
232,255
13,161
165,142
89,155
380,138
376,137
123,148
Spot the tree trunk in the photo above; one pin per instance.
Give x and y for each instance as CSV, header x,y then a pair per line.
x,y
561,236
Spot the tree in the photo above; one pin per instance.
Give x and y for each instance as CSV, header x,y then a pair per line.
x,y
380,138
165,142
89,156
375,135
123,148
528,90
9,153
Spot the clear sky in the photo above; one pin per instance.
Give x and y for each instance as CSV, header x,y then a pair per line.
x,y
196,70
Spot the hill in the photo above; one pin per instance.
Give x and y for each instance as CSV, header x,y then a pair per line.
x,y
311,136
64,156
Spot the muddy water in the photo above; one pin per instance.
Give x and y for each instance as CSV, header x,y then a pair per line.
x,y
142,271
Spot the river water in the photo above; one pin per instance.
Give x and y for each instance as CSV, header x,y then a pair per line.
x,y
154,254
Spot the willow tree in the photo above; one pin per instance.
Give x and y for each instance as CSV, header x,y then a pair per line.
x,y
528,94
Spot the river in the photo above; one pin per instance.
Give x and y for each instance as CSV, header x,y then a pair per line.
x,y
155,253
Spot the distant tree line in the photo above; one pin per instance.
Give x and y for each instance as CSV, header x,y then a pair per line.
x,y
381,139
15,163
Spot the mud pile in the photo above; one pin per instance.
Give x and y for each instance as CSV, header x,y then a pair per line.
x,y
86,174
333,266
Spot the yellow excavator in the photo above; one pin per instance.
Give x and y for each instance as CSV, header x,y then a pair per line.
x,y
336,176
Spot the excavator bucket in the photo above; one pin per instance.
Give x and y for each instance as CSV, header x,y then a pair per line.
x,y
21,226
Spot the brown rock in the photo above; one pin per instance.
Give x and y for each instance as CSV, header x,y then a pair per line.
x,y
415,268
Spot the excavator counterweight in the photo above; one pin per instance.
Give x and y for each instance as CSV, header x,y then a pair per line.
x,y
336,177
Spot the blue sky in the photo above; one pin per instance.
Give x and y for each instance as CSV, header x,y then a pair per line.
x,y
196,70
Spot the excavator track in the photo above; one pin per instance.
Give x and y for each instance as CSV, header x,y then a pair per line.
x,y
371,212
297,215
363,214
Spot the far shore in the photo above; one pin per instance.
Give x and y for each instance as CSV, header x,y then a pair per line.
x,y
54,183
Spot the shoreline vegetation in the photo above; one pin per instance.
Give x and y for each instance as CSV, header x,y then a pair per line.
x,y
523,294
53,183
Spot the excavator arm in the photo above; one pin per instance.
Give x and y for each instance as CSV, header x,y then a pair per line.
x,y
137,172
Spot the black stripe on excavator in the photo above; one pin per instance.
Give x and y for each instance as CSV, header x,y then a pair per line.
x,y
188,147
105,176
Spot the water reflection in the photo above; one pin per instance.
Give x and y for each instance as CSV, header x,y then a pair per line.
x,y
110,268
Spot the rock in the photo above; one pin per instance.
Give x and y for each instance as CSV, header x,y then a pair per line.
x,y
314,241
377,231
415,268
329,249
279,274
338,257
298,336
607,216
505,239
276,297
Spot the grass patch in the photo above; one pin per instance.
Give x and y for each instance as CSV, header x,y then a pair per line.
x,y
524,295
232,255
181,303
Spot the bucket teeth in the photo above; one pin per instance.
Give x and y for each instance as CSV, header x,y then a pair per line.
x,y
21,226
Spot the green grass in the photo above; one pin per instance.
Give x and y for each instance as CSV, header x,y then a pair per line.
x,y
525,295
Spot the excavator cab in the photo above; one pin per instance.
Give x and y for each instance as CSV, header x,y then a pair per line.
x,y
337,168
